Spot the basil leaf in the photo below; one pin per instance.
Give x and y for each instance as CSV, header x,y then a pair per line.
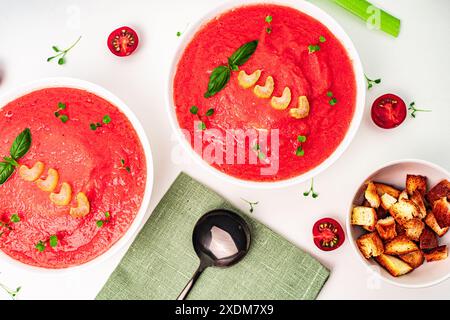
x,y
6,170
241,55
21,144
218,79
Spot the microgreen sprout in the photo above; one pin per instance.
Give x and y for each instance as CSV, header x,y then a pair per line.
x,y
412,108
251,204
61,54
371,82
311,191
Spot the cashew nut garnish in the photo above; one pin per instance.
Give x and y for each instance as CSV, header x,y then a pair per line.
x,y
281,103
248,80
64,196
33,173
49,184
302,110
83,207
265,91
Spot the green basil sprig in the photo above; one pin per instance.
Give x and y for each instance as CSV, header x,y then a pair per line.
x,y
221,75
19,148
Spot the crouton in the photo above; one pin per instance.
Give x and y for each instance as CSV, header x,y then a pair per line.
x,y
393,265
417,198
430,220
403,195
365,217
387,201
370,245
382,213
384,188
386,228
441,211
400,229
403,211
372,196
414,228
399,246
439,253
415,259
442,189
428,239
416,182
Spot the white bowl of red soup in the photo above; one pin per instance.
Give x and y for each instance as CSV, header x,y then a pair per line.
x,y
77,179
266,93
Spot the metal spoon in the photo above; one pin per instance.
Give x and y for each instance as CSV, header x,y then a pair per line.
x,y
221,238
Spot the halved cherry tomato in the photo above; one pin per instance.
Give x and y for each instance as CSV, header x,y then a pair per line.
x,y
123,41
388,111
328,234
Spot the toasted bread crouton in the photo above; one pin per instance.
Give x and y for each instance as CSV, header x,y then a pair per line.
x,y
441,211
384,188
372,196
415,259
370,245
387,201
442,189
403,211
439,253
430,220
416,182
428,239
365,217
399,246
417,198
393,265
386,228
403,195
400,229
414,228
382,213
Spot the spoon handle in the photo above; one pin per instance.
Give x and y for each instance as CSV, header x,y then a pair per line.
x,y
190,284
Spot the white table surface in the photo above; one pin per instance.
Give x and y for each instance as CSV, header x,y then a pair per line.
x,y
415,65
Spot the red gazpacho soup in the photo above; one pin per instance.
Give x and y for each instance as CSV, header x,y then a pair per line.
x,y
273,71
73,178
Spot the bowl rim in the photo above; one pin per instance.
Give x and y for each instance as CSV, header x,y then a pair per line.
x,y
348,226
316,13
68,82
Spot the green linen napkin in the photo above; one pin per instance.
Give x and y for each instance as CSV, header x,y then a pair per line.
x,y
161,260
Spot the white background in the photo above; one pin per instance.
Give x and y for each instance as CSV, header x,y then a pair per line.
x,y
415,66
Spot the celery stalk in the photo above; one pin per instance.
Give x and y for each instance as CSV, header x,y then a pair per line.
x,y
366,11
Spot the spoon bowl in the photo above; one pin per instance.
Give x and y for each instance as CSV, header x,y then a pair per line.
x,y
221,238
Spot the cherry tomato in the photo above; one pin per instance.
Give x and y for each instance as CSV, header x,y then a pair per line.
x,y
123,41
388,111
328,234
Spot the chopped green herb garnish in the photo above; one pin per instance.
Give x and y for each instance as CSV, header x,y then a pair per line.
x,y
269,19
251,204
311,191
370,82
62,106
99,223
40,246
123,167
210,112
19,148
413,109
93,126
61,54
106,119
313,48
53,241
15,218
299,152
322,39
202,126
107,214
301,139
193,110
63,118
332,101
10,292
329,94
